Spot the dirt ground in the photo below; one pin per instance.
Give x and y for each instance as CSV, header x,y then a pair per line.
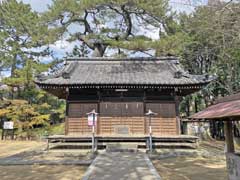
x,y
8,148
209,165
212,166
186,168
34,172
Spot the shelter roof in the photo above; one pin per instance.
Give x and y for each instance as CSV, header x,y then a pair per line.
x,y
226,107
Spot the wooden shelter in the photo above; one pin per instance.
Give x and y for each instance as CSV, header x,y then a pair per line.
x,y
226,109
122,91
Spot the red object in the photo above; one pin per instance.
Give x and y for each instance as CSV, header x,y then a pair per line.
x,y
220,110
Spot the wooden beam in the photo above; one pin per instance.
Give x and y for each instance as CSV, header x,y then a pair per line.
x,y
228,129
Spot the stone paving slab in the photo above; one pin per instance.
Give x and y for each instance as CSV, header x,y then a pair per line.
x,y
121,166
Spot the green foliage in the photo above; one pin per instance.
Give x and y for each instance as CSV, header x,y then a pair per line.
x,y
28,116
24,76
24,115
213,47
20,30
57,129
109,24
172,44
81,51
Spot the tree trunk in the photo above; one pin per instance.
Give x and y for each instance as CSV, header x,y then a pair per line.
x,y
14,65
196,104
229,136
187,107
99,50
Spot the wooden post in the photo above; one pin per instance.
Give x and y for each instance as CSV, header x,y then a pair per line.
x,y
12,134
3,133
228,129
66,112
66,125
47,148
177,102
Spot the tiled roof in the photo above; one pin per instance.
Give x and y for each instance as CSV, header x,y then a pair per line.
x,y
128,71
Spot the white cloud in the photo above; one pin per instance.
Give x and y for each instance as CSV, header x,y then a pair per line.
x,y
63,46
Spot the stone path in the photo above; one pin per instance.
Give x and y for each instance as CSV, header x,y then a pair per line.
x,y
121,166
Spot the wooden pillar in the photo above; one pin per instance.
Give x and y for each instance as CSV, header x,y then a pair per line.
x,y
98,111
228,129
66,112
144,111
177,102
66,121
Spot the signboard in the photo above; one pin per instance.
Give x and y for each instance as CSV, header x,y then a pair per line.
x,y
124,130
8,125
90,120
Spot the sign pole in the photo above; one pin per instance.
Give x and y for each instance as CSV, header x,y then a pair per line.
x,y
92,118
150,144
150,134
93,133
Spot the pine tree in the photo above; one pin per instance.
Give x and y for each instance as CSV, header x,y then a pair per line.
x,y
107,24
20,32
22,36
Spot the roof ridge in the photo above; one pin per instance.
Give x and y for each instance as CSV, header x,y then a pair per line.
x,y
162,58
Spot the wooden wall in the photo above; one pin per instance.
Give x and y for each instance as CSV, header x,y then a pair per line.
x,y
165,120
77,123
121,126
122,118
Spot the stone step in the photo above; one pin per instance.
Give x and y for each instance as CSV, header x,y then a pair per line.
x,y
122,147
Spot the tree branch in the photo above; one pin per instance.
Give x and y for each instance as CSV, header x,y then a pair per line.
x,y
128,21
